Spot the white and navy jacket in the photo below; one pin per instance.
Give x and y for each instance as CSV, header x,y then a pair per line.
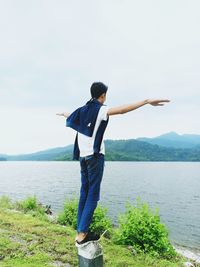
x,y
83,120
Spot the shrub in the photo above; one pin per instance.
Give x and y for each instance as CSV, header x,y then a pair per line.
x,y
141,228
100,221
69,215
30,205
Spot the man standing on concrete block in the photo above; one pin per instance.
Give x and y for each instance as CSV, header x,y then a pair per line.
x,y
90,122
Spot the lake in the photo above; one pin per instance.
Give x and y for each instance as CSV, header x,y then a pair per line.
x,y
173,187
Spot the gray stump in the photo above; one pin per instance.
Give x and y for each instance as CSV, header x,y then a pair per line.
x,y
90,254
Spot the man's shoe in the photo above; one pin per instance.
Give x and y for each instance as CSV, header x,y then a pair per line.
x,y
89,237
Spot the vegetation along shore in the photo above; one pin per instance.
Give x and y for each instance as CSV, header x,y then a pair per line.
x,y
31,236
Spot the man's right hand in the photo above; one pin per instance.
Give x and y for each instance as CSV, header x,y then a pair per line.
x,y
64,114
156,102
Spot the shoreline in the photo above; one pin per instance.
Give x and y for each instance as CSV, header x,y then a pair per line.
x,y
190,253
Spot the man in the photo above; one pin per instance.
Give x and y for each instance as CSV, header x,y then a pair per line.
x,y
90,122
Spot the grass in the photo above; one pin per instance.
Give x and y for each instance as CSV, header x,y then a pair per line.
x,y
29,240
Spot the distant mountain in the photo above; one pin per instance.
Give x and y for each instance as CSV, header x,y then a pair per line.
x,y
129,150
49,154
3,157
172,139
134,150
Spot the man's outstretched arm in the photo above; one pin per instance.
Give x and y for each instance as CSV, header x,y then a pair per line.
x,y
129,107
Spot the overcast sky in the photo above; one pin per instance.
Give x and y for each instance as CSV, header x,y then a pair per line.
x,y
52,51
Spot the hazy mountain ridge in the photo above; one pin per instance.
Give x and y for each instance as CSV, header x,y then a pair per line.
x,y
172,139
49,154
167,147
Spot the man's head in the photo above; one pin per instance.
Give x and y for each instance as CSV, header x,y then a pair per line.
x,y
98,90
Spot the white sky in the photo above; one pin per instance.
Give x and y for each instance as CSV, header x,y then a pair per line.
x,y
52,51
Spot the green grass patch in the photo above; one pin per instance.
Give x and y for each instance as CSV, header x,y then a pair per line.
x,y
31,241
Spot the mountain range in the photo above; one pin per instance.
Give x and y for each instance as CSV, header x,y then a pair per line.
x,y
167,147
172,139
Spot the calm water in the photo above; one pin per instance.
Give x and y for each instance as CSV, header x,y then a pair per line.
x,y
174,187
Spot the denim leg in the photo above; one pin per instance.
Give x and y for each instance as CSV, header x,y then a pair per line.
x,y
83,189
95,166
87,215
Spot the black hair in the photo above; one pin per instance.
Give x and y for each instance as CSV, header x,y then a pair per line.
x,y
97,89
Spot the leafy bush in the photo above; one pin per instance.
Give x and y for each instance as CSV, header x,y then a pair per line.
x,y
30,205
69,215
100,221
141,228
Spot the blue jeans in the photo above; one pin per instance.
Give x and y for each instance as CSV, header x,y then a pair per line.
x,y
92,167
